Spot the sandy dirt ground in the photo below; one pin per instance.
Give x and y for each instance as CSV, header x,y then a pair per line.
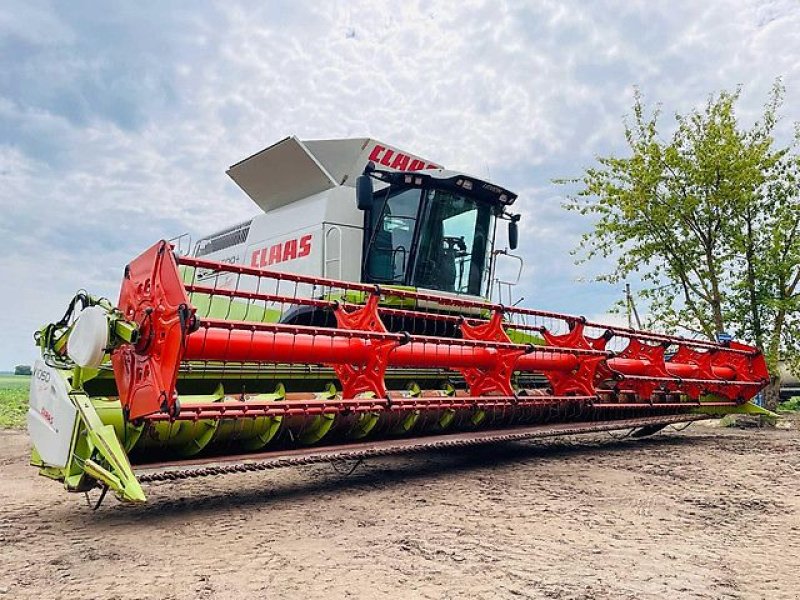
x,y
706,513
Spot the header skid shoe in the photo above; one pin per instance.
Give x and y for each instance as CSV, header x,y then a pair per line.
x,y
152,296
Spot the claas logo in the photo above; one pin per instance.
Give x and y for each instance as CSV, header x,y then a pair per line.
x,y
397,160
281,252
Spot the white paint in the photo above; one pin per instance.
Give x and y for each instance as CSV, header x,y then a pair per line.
x,y
88,340
51,415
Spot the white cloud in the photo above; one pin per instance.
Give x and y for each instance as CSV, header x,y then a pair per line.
x,y
116,126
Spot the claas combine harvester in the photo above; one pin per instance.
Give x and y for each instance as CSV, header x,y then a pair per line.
x,y
357,316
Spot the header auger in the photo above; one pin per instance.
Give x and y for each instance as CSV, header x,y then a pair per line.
x,y
199,372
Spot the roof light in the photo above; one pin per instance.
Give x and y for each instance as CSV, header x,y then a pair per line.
x,y
466,184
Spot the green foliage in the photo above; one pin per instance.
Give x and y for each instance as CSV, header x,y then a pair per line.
x,y
790,404
709,219
22,370
13,400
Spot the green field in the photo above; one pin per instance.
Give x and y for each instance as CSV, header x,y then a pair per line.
x,y
13,400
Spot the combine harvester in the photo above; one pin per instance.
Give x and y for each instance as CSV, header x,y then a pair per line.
x,y
351,319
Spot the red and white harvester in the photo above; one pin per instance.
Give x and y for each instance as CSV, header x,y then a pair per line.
x,y
359,315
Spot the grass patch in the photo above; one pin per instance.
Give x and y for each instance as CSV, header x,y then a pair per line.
x,y
13,400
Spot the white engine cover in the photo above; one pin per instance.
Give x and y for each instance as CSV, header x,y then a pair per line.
x,y
51,415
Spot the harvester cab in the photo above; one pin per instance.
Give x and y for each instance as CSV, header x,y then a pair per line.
x,y
350,319
399,220
432,230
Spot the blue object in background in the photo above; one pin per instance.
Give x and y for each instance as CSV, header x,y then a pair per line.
x,y
723,337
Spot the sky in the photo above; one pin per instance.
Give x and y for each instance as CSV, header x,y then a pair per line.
x,y
118,120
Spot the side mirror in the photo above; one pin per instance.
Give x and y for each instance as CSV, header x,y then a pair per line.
x,y
364,192
513,234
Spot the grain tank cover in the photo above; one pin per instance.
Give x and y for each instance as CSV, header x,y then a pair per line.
x,y
292,169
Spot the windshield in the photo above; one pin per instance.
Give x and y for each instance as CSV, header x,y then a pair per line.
x,y
433,239
454,244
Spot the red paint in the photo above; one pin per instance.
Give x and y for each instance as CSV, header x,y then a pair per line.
x,y
290,250
386,158
46,415
275,254
305,246
376,153
401,162
398,161
360,349
153,296
281,252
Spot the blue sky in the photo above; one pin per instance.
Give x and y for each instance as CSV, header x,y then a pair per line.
x,y
117,122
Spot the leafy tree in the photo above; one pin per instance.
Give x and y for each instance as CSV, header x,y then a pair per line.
x,y
710,221
22,370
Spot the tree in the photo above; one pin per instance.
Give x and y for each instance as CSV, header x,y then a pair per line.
x,y
709,220
22,370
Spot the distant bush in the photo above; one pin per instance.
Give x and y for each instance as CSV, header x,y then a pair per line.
x,y
22,370
790,404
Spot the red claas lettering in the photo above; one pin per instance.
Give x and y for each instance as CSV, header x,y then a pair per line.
x,y
275,254
281,252
290,250
305,246
397,160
